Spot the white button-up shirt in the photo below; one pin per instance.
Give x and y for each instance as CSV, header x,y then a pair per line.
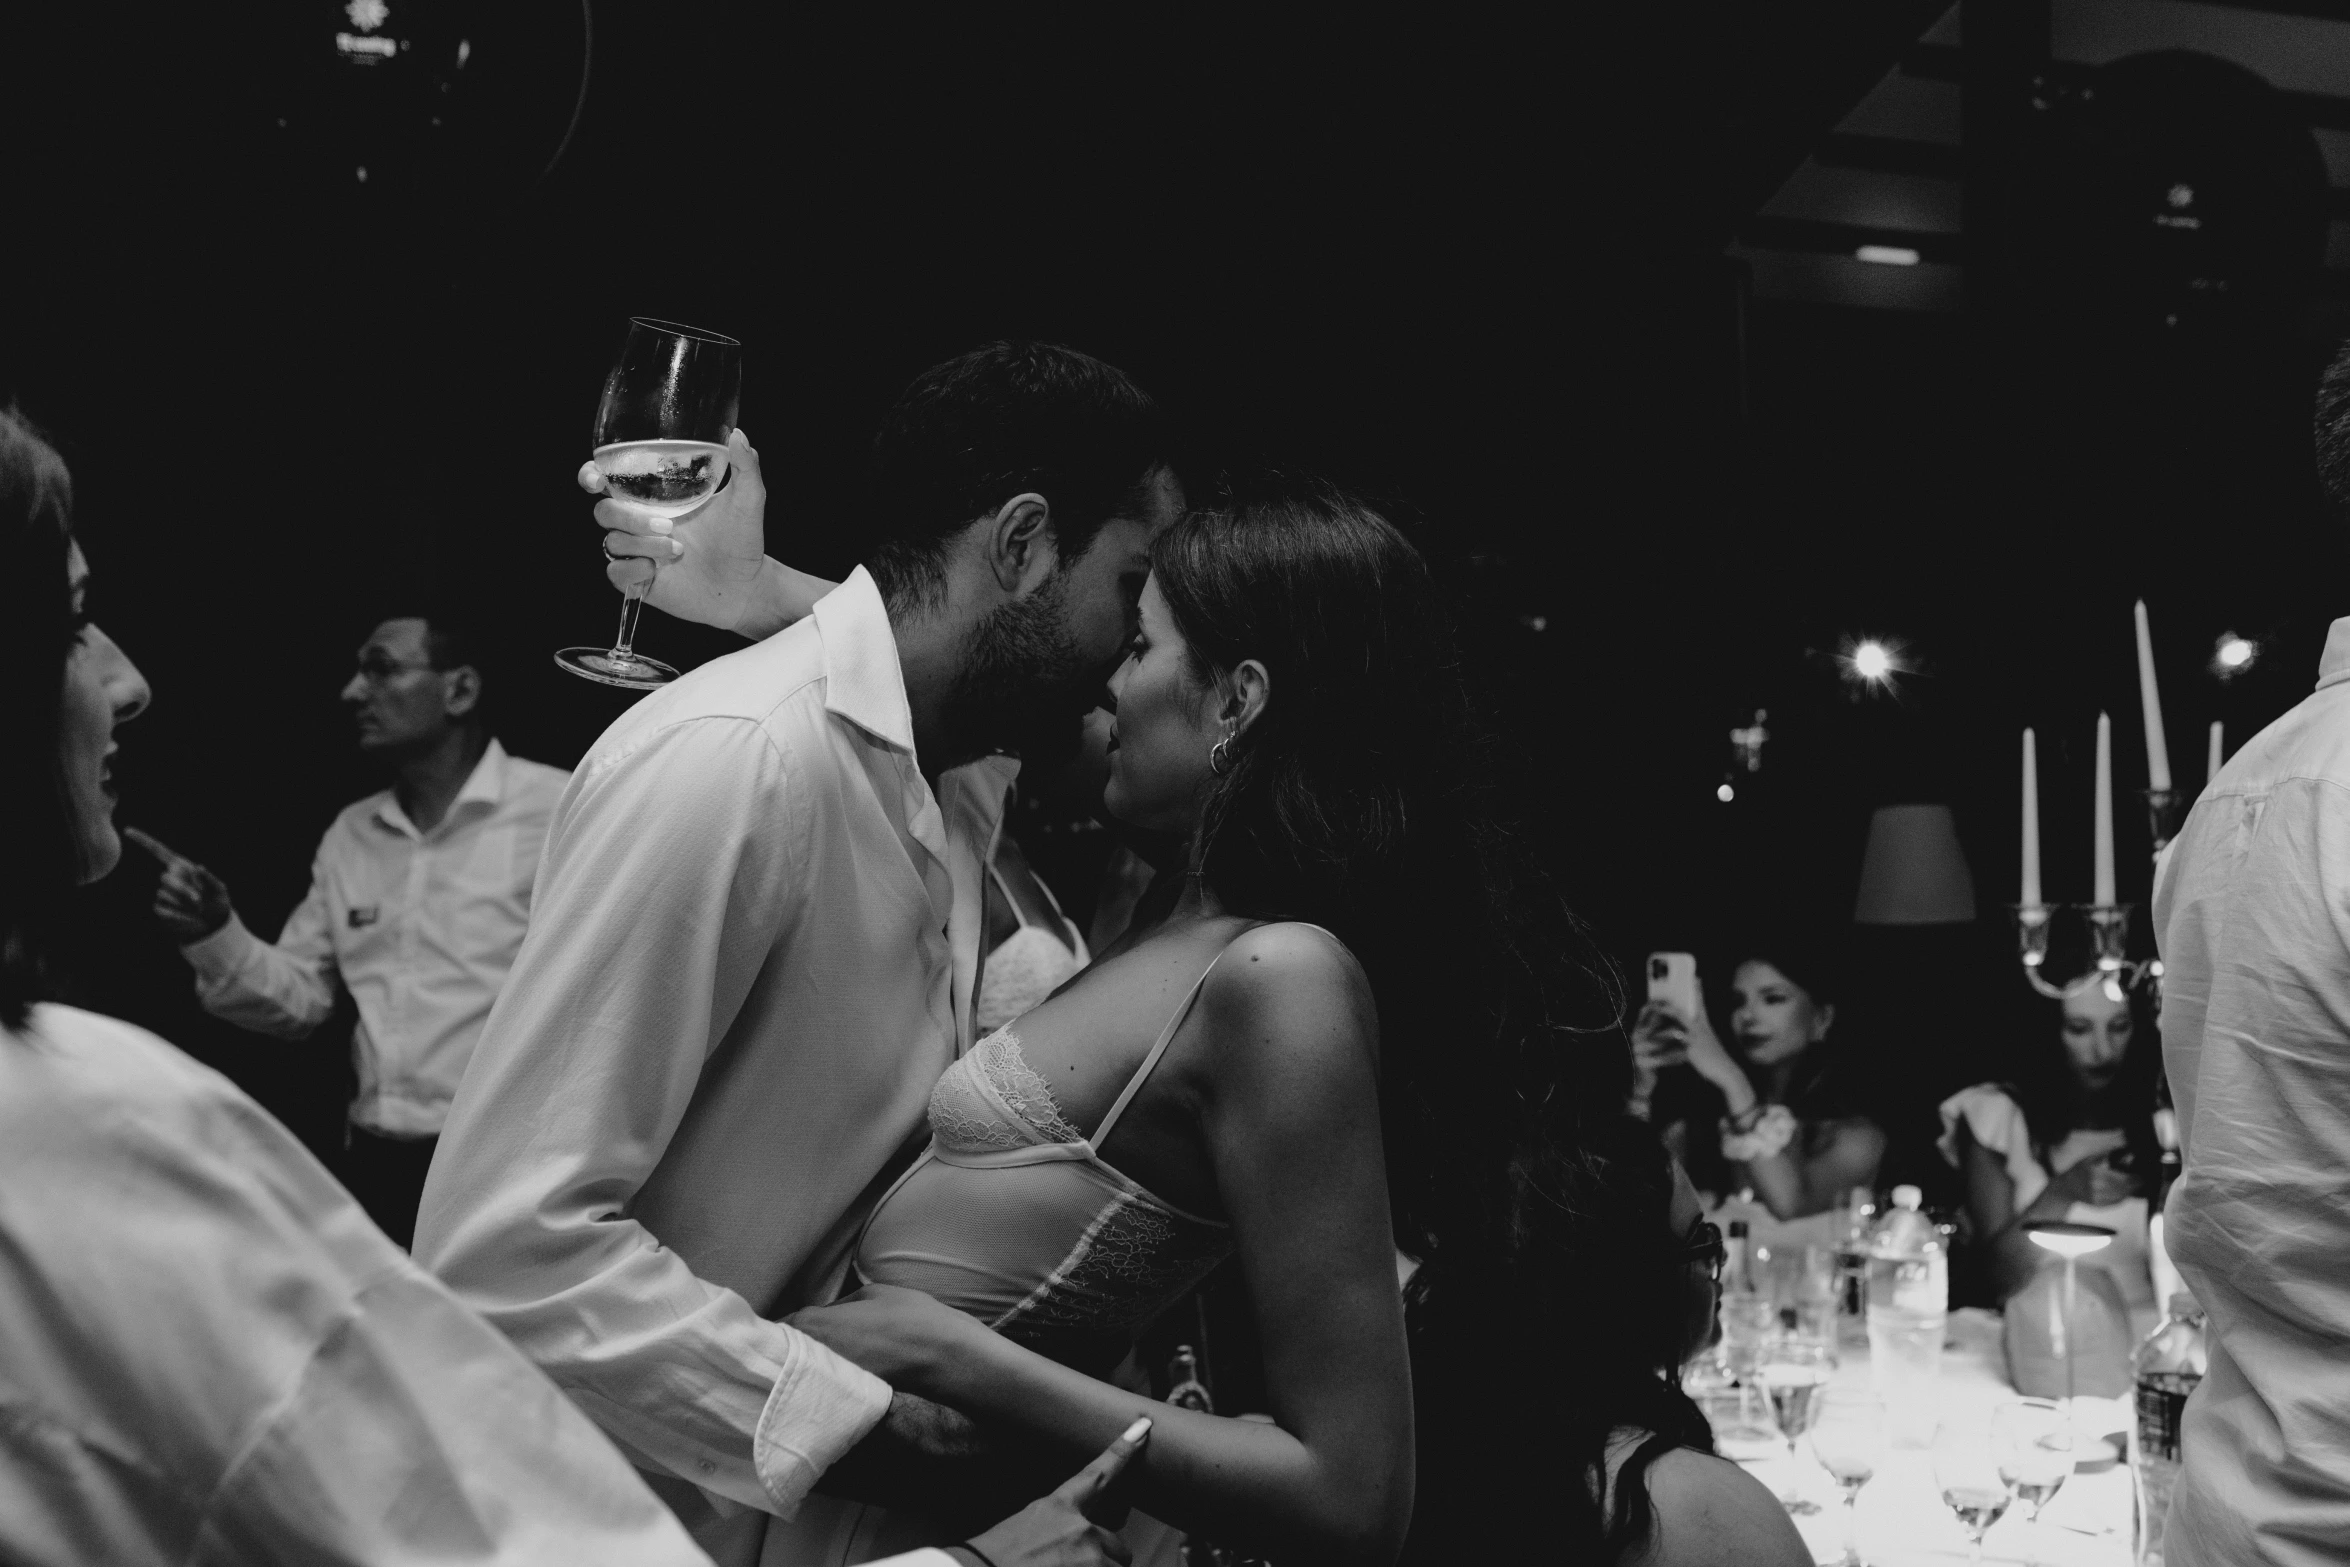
x,y
751,957
208,1355
2253,908
420,927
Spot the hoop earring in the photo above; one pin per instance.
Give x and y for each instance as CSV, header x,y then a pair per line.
x,y
1220,756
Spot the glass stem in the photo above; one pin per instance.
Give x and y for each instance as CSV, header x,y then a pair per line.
x,y
1851,1528
624,645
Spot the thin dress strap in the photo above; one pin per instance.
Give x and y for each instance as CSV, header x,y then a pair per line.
x,y
1134,1084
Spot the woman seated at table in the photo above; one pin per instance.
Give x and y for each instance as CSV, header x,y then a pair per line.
x,y
2069,1135
1780,1115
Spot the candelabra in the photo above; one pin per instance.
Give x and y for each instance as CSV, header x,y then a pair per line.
x,y
2109,924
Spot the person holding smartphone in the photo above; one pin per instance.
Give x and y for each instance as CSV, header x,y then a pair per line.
x,y
1776,1110
2069,1136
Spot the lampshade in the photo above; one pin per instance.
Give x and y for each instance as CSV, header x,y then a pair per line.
x,y
1913,873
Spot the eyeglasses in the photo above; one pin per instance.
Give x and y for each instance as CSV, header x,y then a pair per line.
x,y
378,670
1702,1243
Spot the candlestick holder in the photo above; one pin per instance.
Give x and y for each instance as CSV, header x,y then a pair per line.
x,y
2164,807
2109,935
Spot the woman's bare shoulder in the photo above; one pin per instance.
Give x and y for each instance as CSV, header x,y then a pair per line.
x,y
1711,1513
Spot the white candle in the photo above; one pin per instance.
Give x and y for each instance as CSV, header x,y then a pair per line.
x,y
2211,767
2157,749
2104,897
2030,897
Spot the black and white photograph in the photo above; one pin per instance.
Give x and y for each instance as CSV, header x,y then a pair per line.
x,y
1041,786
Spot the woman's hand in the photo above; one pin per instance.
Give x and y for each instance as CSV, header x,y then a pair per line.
x,y
900,1335
1071,1527
1663,1037
2092,1181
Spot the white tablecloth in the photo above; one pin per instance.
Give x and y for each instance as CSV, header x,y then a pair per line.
x,y
1902,1521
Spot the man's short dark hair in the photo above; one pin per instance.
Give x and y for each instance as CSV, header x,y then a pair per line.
x,y
1009,417
2333,428
453,637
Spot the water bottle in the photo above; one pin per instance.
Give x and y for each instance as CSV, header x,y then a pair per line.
x,y
1855,1220
1909,1306
2169,1364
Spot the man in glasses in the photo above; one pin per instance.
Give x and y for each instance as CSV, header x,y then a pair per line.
x,y
418,899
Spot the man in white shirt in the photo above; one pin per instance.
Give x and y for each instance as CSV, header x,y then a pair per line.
x,y
418,899
2253,911
756,948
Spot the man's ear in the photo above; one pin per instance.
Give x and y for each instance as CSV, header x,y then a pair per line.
x,y
460,690
1823,1019
1021,547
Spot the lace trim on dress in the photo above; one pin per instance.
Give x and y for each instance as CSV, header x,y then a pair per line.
x,y
997,1058
1133,1260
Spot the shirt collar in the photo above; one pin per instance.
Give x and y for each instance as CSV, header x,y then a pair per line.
x,y
863,681
485,785
2334,667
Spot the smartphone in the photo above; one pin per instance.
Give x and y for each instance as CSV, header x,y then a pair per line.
x,y
1672,979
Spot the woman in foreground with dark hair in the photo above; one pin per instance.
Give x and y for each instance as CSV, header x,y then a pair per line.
x,y
208,1353
1304,1065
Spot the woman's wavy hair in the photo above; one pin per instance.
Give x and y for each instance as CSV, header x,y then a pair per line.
x,y
39,848
1360,800
2042,1083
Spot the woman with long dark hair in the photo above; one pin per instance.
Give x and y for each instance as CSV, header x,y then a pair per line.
x,y
1367,1040
1779,1111
2068,1133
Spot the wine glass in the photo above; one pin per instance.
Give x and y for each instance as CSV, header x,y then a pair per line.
x,y
1967,1474
2033,1440
1847,1434
1794,1370
660,442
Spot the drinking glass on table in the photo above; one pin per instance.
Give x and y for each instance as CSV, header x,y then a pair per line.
x,y
1847,1435
669,405
1748,1321
1966,1472
1794,1372
2033,1438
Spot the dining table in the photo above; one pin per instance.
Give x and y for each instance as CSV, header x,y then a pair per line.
x,y
1900,1520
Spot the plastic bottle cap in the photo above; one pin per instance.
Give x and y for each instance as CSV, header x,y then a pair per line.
x,y
1907,1197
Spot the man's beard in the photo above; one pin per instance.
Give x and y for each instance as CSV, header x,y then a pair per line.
x,y
1022,687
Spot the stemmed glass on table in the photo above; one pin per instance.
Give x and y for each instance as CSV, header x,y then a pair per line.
x,y
1966,1472
669,405
1794,1372
2033,1440
1847,1434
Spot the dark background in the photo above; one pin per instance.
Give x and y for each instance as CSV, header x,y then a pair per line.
x,y
1473,267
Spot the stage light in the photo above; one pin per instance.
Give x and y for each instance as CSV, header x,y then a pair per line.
x,y
1725,794
2231,655
1888,255
1873,661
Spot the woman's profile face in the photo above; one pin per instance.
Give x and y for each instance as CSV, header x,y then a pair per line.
x,y
1772,1018
2097,1031
1162,730
103,688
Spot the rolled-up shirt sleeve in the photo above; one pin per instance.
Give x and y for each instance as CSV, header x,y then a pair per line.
x,y
285,990
666,879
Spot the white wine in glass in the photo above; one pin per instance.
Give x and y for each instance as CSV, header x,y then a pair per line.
x,y
2033,1438
1968,1478
669,404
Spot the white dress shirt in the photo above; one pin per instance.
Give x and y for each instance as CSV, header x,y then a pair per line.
x,y
208,1354
420,927
751,956
2253,908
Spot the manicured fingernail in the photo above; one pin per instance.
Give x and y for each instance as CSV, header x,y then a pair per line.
x,y
1137,1431
660,525
676,549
